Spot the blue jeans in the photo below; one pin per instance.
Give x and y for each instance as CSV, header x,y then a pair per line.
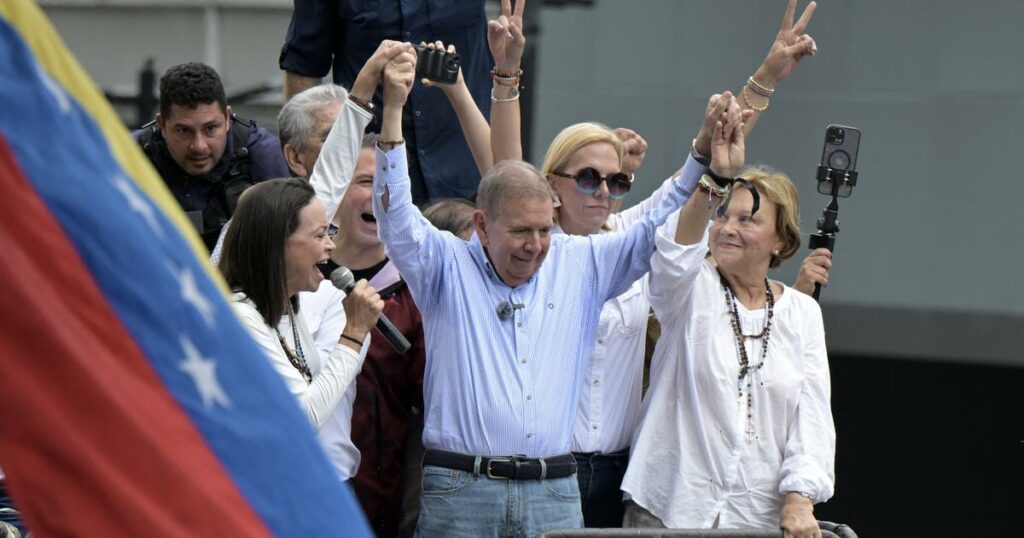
x,y
458,504
600,480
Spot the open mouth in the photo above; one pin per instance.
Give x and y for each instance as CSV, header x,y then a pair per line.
x,y
368,218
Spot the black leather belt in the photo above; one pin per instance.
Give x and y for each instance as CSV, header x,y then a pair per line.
x,y
509,468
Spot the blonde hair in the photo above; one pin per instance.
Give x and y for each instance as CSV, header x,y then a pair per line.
x,y
778,188
571,139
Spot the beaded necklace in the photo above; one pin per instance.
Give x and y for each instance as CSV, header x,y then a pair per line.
x,y
297,358
746,369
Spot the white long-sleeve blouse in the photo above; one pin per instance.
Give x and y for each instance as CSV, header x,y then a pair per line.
x,y
692,460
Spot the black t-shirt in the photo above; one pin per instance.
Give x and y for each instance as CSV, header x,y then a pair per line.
x,y
367,273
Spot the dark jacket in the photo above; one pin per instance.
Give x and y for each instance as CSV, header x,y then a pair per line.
x,y
252,154
341,35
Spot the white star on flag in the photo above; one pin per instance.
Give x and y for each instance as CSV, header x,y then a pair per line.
x,y
138,204
203,374
58,94
190,294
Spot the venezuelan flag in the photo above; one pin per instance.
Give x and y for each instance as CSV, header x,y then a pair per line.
x,y
132,402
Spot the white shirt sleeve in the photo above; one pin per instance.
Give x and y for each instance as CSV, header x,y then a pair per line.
x,y
628,217
319,398
674,267
336,164
808,464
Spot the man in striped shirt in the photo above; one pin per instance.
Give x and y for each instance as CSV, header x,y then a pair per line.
x,y
509,322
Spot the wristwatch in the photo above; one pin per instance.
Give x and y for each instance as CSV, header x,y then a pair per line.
x,y
698,156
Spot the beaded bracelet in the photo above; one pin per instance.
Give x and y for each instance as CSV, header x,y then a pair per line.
x,y
746,101
713,192
506,79
497,74
759,89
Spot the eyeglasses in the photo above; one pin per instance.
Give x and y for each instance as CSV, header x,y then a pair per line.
x,y
332,230
588,180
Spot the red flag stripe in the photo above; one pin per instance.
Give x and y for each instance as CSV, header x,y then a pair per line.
x,y
72,371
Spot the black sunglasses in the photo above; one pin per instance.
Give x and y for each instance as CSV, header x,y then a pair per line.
x,y
588,180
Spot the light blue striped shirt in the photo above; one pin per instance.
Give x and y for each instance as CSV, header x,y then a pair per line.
x,y
496,387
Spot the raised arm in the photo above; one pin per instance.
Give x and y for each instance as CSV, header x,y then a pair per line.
x,y
728,153
790,46
682,242
336,164
635,150
474,125
507,43
411,242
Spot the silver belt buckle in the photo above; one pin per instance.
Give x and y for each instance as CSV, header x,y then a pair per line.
x,y
488,468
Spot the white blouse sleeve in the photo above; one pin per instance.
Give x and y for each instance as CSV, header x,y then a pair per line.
x,y
808,464
674,268
336,164
319,398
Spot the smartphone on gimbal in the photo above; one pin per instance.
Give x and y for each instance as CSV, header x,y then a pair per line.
x,y
839,155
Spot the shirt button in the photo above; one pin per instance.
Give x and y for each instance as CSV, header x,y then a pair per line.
x,y
529,436
524,360
597,381
519,324
600,340
417,113
408,34
423,152
529,396
393,165
594,427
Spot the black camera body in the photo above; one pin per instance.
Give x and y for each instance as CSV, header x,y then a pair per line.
x,y
437,65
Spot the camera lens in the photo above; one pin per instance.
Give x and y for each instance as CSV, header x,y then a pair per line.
x,y
839,160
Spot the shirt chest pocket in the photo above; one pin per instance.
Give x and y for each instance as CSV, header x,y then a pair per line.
x,y
633,308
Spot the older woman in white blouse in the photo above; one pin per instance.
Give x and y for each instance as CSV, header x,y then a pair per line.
x,y
737,429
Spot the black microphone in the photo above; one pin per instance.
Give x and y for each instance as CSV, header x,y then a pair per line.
x,y
343,279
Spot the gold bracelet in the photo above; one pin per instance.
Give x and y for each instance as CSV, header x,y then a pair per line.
x,y
763,91
746,101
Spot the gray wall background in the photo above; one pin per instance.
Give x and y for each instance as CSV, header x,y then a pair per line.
x,y
927,259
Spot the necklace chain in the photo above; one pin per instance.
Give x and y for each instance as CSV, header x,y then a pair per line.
x,y
297,358
746,369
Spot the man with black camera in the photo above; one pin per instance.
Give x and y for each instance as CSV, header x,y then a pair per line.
x,y
339,36
206,154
